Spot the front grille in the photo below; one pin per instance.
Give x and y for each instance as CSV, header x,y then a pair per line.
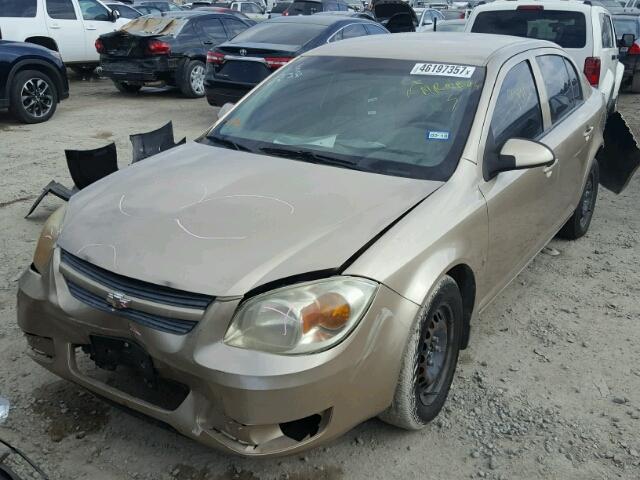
x,y
170,325
137,288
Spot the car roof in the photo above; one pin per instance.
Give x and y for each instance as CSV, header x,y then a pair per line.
x,y
325,20
567,5
446,47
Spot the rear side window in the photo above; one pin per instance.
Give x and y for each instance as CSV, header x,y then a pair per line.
x,y
353,31
558,86
567,29
281,33
61,9
213,30
607,33
517,112
233,26
374,29
250,8
305,8
18,8
576,88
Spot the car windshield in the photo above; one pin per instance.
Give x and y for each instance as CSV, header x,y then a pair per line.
x,y
626,25
296,34
394,117
567,29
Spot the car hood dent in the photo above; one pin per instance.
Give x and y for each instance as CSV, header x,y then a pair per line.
x,y
221,222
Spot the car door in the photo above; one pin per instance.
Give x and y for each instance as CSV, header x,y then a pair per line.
x,y
64,26
520,203
572,127
212,32
97,21
608,56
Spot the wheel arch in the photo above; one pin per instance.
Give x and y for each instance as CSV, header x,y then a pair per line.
x,y
43,41
464,277
39,65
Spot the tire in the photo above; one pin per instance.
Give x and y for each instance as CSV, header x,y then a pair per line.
x,y
578,223
635,83
83,70
417,400
33,96
129,88
191,82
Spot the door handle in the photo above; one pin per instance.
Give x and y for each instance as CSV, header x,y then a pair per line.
x,y
587,133
548,170
55,25
614,57
91,27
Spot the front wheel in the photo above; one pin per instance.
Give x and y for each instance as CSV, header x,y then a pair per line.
x,y
430,360
33,97
192,82
635,83
578,223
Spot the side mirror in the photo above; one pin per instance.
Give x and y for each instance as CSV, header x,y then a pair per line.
x,y
627,40
519,154
225,109
115,15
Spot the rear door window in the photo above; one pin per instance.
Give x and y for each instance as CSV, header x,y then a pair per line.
x,y
353,31
576,87
92,10
374,29
517,113
558,85
567,29
61,9
18,8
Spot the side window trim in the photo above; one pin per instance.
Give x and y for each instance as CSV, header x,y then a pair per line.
x,y
346,26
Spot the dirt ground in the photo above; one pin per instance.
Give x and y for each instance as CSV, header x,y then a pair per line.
x,y
549,388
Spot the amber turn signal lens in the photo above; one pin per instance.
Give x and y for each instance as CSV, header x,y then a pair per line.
x,y
330,311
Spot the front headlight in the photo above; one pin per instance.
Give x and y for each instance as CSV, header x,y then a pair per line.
x,y
303,318
48,239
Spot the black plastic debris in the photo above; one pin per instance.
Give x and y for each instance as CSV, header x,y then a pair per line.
x,y
151,143
85,167
620,157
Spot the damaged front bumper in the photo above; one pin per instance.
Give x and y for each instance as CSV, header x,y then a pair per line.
x,y
241,401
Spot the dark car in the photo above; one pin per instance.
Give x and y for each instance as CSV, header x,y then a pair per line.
x,y
125,11
395,15
366,14
163,6
235,67
630,56
309,7
236,13
33,79
171,48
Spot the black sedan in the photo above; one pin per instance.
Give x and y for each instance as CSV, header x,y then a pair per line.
x,y
630,57
33,80
236,66
171,49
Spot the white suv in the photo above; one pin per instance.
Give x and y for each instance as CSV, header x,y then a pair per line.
x,y
586,32
70,27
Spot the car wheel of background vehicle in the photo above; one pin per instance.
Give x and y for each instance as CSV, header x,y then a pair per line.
x,y
33,97
192,83
579,222
83,70
430,359
125,87
635,83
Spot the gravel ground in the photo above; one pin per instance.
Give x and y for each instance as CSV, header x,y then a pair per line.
x,y
549,388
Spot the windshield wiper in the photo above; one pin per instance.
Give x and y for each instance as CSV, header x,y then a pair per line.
x,y
309,156
228,143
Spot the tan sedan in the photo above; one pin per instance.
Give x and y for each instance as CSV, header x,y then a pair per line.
x,y
319,256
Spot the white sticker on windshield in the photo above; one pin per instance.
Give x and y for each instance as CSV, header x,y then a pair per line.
x,y
443,70
431,135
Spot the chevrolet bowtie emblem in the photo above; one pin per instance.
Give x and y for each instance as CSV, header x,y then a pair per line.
x,y
118,301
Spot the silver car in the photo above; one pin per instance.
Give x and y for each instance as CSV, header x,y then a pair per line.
x,y
320,255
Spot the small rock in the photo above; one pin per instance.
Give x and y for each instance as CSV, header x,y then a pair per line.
x,y
475,454
619,400
493,463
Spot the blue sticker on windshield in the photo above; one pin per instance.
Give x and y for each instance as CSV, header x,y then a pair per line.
x,y
432,135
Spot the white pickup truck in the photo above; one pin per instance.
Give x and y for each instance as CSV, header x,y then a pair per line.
x,y
585,31
70,27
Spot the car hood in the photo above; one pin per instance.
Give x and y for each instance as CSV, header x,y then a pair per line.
x,y
221,222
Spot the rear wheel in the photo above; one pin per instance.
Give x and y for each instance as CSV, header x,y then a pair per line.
x,y
579,222
33,97
125,87
192,82
430,359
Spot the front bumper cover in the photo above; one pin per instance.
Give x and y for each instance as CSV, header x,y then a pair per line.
x,y
238,400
